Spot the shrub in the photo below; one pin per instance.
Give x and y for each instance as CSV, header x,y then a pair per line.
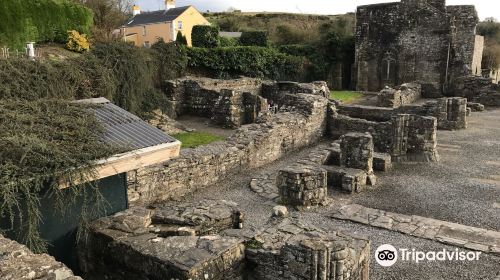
x,y
297,49
41,21
77,42
41,143
181,39
170,62
248,61
205,36
75,78
133,71
254,38
228,42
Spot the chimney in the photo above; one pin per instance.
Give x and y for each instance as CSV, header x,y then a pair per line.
x,y
136,10
169,4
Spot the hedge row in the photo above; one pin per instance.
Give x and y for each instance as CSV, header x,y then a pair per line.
x,y
41,21
227,62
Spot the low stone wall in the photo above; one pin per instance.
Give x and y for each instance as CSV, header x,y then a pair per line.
x,y
451,113
404,137
231,103
292,251
17,262
401,95
251,146
172,241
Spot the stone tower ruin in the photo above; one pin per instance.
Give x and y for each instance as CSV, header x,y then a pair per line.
x,y
416,40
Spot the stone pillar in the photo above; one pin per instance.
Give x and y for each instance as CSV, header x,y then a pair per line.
x,y
422,139
301,185
356,151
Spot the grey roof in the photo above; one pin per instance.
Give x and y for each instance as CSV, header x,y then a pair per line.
x,y
230,34
156,16
124,128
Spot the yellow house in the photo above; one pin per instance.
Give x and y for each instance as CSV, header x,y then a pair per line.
x,y
144,29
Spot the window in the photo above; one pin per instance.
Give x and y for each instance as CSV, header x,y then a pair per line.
x,y
144,31
179,25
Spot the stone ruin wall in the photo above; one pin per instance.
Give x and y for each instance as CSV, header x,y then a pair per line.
x,y
230,103
406,133
251,146
405,137
18,262
399,96
415,40
450,112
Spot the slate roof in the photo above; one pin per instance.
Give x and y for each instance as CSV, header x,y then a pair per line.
x,y
156,16
230,34
124,128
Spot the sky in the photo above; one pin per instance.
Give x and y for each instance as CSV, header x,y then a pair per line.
x,y
486,8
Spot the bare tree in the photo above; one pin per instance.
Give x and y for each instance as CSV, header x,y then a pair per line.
x,y
108,16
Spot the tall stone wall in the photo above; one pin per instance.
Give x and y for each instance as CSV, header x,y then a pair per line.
x,y
251,146
414,40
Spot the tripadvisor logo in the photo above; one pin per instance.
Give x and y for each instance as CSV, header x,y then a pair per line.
x,y
387,255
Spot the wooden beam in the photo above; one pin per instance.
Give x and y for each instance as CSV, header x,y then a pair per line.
x,y
132,160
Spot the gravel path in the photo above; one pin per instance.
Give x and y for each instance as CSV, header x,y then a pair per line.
x,y
446,190
463,187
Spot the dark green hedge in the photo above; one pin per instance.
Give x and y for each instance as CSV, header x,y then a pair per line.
x,y
205,36
247,61
41,21
254,38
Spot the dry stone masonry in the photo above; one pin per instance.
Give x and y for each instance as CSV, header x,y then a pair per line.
x,y
301,121
170,241
416,40
399,96
17,262
292,251
302,185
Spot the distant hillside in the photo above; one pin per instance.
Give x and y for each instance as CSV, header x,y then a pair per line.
x,y
284,28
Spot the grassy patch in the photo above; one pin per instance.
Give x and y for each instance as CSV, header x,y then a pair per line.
x,y
195,139
346,96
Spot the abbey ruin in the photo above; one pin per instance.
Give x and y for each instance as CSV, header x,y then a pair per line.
x,y
307,187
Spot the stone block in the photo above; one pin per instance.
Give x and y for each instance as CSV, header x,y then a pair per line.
x,y
475,107
382,162
302,185
308,253
167,241
356,151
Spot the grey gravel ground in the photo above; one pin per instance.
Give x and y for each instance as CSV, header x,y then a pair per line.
x,y
463,187
443,190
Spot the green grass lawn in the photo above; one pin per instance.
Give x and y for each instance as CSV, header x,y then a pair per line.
x,y
195,139
346,96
